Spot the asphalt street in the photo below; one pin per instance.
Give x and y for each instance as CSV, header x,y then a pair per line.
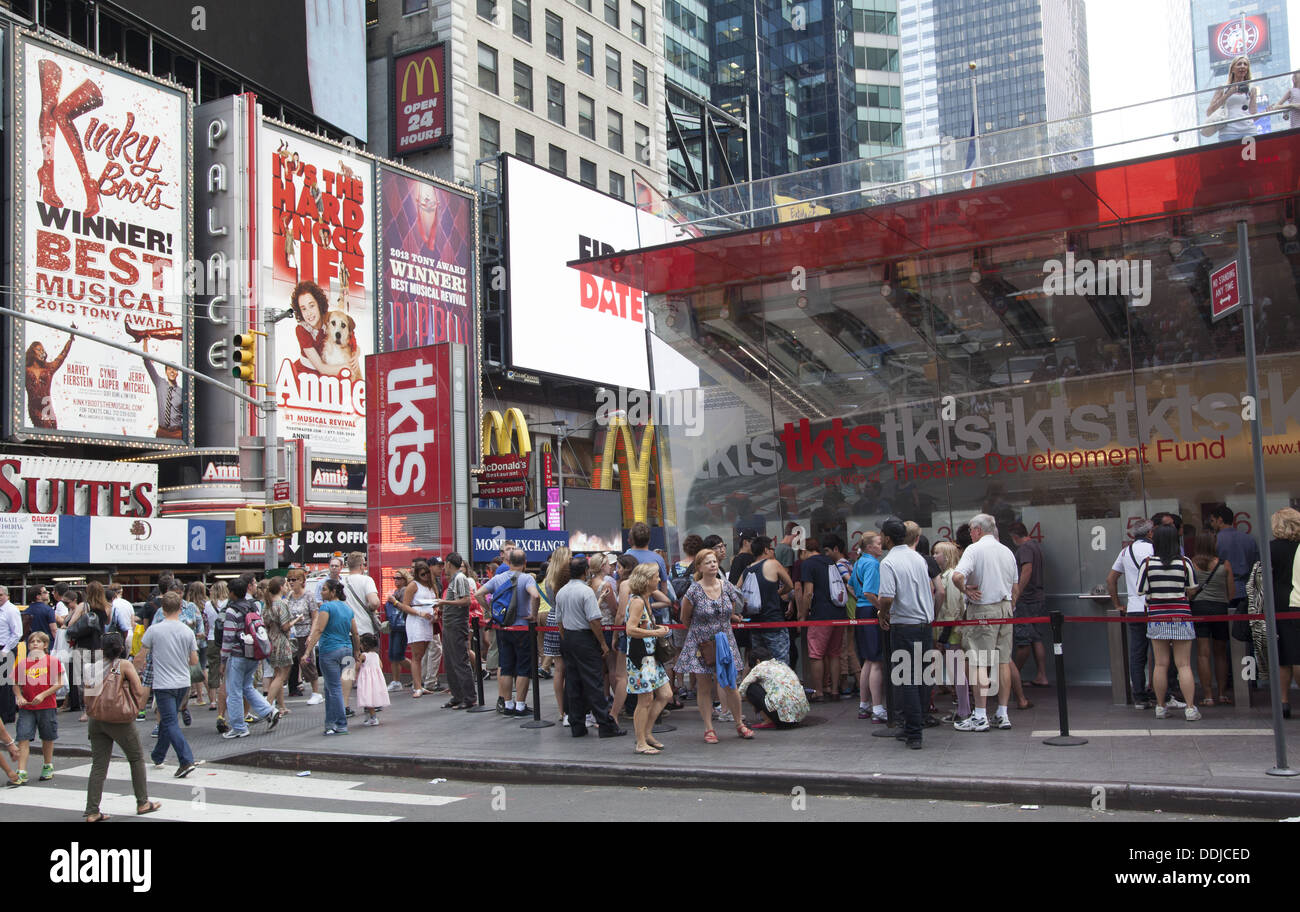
x,y
216,793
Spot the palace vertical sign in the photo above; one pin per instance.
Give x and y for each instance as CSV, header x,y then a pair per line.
x,y
419,108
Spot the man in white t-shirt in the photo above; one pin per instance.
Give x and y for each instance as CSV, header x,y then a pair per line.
x,y
362,596
123,614
1129,565
987,574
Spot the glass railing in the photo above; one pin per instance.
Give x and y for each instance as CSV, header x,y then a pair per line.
x,y
1160,126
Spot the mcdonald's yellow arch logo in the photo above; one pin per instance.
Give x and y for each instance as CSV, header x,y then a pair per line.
x,y
635,471
418,67
496,428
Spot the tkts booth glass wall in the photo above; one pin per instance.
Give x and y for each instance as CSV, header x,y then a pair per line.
x,y
919,359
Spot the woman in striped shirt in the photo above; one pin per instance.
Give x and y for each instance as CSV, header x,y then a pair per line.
x,y
1167,579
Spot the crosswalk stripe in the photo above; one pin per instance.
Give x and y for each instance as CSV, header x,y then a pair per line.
x,y
1190,731
181,810
283,786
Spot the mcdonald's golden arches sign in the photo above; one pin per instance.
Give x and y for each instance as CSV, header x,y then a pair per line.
x,y
505,471
419,93
637,468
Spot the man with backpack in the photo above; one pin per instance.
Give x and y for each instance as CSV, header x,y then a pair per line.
x,y
514,600
244,643
826,596
765,584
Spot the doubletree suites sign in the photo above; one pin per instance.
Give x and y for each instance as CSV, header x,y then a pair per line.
x,y
77,487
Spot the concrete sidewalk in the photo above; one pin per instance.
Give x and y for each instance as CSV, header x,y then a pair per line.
x,y
1216,765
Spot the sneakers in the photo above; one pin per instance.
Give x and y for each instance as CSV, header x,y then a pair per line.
x,y
1003,722
140,716
47,769
971,724
565,723
1191,714
880,719
521,711
723,715
21,780
186,717
184,771
154,733
394,687
336,731
251,719
591,720
864,712
501,706
315,699
1141,704
371,721
1161,712
1174,703
232,734
273,719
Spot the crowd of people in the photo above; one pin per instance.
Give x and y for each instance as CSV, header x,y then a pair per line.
x,y
635,638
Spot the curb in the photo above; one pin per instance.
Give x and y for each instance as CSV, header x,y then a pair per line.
x,y
1119,796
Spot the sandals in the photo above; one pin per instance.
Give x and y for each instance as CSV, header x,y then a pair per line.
x,y
416,694
744,731
1208,701
149,808
97,818
647,750
710,737
655,744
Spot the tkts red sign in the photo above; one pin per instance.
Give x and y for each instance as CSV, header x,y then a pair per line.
x,y
407,423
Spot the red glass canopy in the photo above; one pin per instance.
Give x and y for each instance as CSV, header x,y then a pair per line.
x,y
1160,186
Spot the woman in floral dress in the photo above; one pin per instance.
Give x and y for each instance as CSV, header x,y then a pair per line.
x,y
707,610
645,676
278,621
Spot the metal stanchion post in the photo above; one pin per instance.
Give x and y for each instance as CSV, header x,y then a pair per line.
x,y
536,721
483,706
1064,739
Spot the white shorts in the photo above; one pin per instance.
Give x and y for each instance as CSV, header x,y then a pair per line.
x,y
418,629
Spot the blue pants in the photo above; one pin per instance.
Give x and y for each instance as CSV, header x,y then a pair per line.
x,y
240,687
331,667
169,729
1138,649
776,640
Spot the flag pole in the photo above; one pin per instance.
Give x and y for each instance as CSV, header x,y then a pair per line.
x,y
975,124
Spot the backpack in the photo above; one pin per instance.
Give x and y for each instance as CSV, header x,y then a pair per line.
x,y
257,645
839,594
86,628
507,616
750,590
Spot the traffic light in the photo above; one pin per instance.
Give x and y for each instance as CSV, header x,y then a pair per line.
x,y
286,519
245,357
248,522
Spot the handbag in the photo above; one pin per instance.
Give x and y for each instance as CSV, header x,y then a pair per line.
x,y
636,646
708,653
115,701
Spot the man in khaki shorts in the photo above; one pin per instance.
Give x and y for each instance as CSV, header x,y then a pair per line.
x,y
987,574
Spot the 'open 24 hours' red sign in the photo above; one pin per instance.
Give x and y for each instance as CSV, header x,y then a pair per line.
x,y
420,101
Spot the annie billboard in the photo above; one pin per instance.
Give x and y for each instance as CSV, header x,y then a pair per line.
x,y
102,232
315,206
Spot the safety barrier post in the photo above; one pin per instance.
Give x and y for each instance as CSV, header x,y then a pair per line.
x,y
536,721
1118,653
1064,739
483,706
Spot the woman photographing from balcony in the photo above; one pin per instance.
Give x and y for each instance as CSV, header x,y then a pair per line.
x,y
1239,101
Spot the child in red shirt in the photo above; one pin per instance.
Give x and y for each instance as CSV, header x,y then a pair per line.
x,y
39,676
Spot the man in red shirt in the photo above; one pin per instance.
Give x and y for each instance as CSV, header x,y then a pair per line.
x,y
39,676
